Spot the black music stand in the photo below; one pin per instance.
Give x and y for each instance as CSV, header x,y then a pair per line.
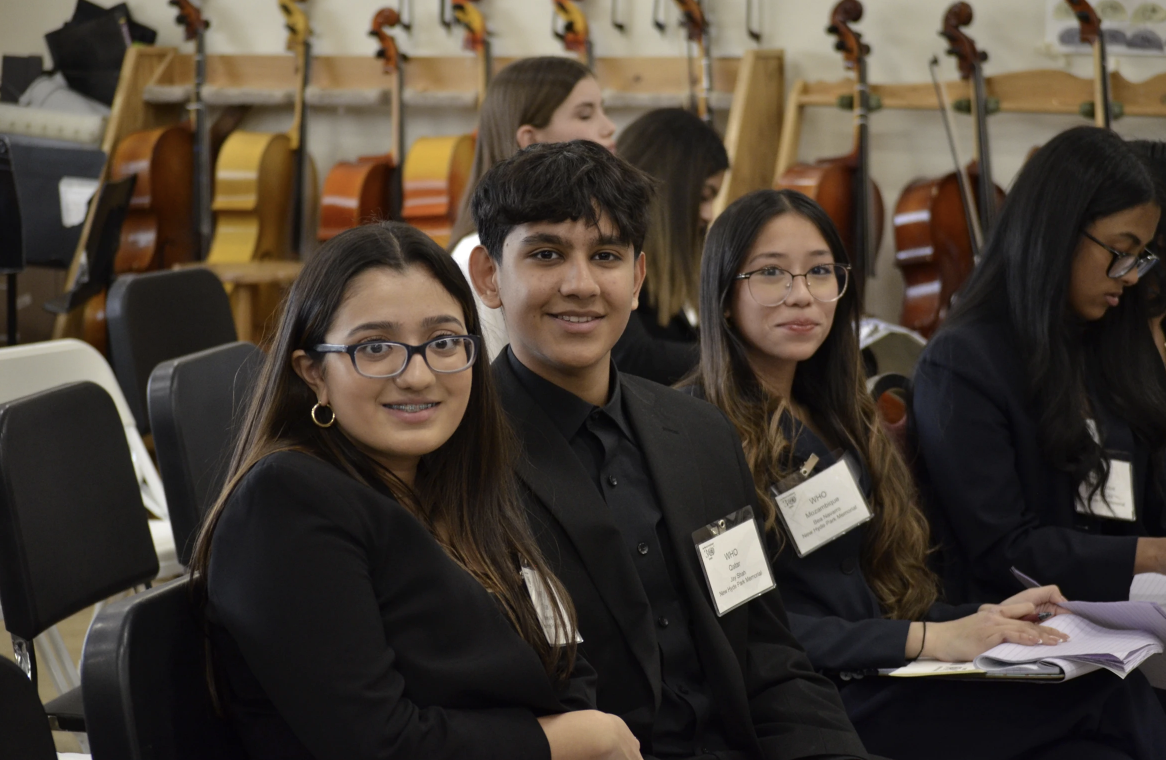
x,y
96,271
11,238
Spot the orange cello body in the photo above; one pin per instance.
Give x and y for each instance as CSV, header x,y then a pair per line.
x,y
830,182
158,230
933,247
356,193
434,176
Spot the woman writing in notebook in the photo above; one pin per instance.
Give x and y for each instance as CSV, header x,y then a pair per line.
x,y
371,589
689,160
779,356
534,100
1041,403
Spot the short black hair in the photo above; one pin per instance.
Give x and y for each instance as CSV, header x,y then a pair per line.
x,y
554,182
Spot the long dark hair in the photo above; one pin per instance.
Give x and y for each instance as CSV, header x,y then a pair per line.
x,y
464,491
1078,177
681,151
831,385
528,91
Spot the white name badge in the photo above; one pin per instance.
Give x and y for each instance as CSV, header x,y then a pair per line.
x,y
822,508
543,609
1116,500
732,556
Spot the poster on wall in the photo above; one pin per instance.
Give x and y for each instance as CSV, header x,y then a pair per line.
x,y
1131,27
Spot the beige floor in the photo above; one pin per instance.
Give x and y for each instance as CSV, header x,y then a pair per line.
x,y
73,632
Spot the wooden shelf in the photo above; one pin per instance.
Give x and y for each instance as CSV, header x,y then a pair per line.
x,y
1038,91
436,82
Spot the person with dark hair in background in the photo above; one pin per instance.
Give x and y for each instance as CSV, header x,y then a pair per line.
x,y
624,478
688,159
1041,399
371,587
780,357
533,100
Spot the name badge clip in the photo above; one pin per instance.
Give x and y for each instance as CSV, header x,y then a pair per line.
x,y
733,558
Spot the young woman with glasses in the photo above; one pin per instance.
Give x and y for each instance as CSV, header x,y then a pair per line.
x,y
371,588
780,357
1041,404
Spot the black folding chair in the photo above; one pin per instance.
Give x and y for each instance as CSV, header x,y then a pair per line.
x,y
145,682
196,405
72,525
158,316
24,727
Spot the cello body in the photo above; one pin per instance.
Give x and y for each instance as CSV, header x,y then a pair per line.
x,y
158,230
356,193
434,177
830,182
933,249
252,202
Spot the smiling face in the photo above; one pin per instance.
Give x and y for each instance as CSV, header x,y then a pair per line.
x,y
394,420
778,337
567,290
579,117
1091,290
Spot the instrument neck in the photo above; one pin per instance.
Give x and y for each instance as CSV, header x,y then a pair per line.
x,y
987,188
1101,115
863,234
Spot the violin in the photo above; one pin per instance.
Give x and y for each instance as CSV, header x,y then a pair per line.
x,y
573,32
843,185
940,223
368,189
696,24
1090,25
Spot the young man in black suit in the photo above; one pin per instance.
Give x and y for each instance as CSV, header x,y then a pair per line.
x,y
618,473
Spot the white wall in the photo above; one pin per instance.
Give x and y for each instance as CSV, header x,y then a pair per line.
x,y
902,35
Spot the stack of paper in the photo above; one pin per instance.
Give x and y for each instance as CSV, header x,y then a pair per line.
x,y
1119,651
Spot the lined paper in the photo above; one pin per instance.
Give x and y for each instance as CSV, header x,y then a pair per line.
x,y
1117,651
1148,587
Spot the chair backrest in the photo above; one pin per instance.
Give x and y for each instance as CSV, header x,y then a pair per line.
x,y
24,727
158,316
35,367
72,525
143,680
196,405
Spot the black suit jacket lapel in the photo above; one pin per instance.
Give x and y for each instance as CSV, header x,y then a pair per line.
x,y
549,467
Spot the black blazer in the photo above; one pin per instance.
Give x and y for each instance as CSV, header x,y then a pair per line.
x,y
660,354
770,702
341,629
833,611
995,501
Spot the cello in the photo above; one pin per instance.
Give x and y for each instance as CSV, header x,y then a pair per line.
x,y
368,189
941,223
1091,34
574,32
843,185
437,169
697,25
254,176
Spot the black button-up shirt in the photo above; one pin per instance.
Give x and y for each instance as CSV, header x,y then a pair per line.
x,y
609,451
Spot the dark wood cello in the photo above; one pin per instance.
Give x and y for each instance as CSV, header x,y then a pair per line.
x,y
368,189
843,185
940,223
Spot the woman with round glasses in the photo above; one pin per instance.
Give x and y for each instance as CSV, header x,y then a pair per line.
x,y
1041,402
780,357
371,588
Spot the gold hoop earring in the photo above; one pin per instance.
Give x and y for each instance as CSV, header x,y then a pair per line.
x,y
327,424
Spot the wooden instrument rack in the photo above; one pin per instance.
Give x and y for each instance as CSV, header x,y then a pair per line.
x,y
156,83
1038,91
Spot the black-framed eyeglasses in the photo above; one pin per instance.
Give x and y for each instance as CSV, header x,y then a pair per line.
x,y
770,286
379,359
1123,263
